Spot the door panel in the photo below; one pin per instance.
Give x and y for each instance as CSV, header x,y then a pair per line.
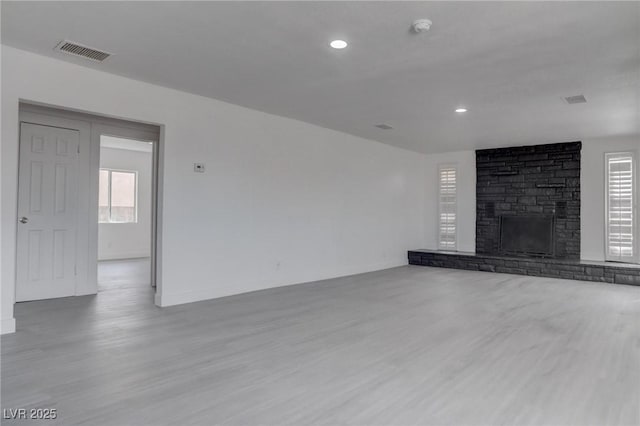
x,y
47,209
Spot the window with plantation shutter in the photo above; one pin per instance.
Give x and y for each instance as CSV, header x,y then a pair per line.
x,y
447,207
621,221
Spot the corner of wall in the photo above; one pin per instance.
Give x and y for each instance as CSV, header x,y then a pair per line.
x,y
8,326
157,299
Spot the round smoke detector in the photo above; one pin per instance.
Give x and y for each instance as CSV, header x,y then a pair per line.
x,y
421,25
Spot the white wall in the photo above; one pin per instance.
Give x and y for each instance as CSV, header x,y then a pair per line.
x,y
466,180
7,322
282,201
128,240
592,185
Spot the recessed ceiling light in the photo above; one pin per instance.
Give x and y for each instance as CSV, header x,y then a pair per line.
x,y
461,110
338,44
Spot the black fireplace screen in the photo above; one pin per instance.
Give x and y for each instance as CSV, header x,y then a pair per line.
x,y
527,235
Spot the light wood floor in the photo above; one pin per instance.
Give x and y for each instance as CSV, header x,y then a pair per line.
x,y
404,346
125,273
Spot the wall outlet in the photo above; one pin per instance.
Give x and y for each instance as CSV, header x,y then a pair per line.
x,y
198,167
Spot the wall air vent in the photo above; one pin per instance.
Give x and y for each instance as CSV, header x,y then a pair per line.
x,y
82,51
384,126
577,99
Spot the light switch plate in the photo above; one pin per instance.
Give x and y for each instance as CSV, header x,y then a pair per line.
x,y
198,167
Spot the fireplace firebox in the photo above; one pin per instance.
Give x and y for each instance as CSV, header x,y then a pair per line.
x,y
527,235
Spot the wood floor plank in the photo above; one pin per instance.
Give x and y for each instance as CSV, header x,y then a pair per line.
x,y
409,345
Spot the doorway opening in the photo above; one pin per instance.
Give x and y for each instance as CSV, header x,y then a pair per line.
x,y
124,212
87,193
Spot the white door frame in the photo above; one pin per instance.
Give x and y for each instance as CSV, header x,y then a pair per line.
x,y
89,126
138,134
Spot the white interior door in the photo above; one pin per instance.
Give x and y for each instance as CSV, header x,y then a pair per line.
x,y
47,212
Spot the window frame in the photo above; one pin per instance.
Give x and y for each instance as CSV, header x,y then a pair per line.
x,y
634,206
110,170
440,168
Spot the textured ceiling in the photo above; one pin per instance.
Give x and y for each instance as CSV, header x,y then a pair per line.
x,y
509,63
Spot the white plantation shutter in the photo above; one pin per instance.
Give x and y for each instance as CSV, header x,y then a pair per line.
x,y
447,207
621,244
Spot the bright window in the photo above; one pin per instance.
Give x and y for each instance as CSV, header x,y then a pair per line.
x,y
621,221
117,196
447,207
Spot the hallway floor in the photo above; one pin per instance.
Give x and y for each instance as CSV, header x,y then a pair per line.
x,y
125,273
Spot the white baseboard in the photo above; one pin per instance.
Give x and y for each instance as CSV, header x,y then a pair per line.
x,y
123,255
8,326
171,299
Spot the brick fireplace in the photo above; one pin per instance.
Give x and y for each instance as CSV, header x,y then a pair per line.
x,y
531,186
528,218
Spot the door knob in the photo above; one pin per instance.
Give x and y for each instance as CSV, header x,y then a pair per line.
x,y
24,219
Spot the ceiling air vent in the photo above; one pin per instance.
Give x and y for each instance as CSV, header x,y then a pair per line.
x,y
83,51
577,99
384,126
